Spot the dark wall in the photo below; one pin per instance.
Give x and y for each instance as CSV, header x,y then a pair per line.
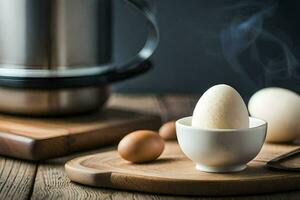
x,y
203,43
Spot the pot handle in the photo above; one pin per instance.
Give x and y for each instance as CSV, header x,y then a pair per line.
x,y
139,63
136,65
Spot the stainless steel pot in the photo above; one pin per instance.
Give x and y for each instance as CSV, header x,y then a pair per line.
x,y
55,55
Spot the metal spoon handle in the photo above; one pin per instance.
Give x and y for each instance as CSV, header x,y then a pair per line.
x,y
276,162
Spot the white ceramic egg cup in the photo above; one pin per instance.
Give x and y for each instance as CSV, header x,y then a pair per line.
x,y
221,150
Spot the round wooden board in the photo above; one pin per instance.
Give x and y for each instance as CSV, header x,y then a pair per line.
x,y
174,174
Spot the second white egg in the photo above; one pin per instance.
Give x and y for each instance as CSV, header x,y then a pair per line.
x,y
281,109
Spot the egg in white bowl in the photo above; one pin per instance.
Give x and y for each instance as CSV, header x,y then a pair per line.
x,y
221,107
220,136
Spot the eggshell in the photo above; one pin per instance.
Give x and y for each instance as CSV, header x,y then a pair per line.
x,y
168,131
221,107
281,109
141,146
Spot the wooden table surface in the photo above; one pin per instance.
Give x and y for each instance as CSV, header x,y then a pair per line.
x,y
47,180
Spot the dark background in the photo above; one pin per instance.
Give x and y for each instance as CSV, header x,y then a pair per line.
x,y
190,57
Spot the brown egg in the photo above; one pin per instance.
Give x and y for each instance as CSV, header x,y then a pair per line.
x,y
141,146
168,131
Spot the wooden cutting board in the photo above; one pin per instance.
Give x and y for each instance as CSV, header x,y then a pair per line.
x,y
42,138
174,174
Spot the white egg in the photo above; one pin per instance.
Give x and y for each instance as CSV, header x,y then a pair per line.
x,y
221,107
281,109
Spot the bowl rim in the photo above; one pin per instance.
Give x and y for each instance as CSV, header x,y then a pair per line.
x,y
179,123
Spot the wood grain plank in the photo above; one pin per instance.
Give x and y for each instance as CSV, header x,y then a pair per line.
x,y
52,183
16,178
